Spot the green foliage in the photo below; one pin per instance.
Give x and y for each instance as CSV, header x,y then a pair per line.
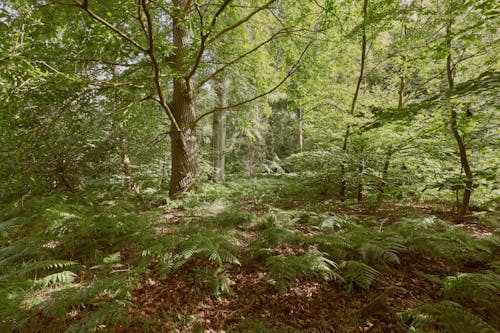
x,y
480,288
358,273
438,239
39,237
217,279
234,218
99,303
214,247
286,269
445,316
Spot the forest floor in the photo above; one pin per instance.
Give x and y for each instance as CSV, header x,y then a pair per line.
x,y
181,302
272,254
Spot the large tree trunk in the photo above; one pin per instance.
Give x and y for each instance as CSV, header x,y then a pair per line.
x,y
185,170
464,161
219,131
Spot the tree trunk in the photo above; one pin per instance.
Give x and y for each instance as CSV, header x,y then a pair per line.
x,y
464,161
401,90
219,132
343,183
127,174
184,148
385,173
300,116
361,169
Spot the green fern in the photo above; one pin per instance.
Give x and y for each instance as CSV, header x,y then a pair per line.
x,y
59,278
438,239
445,316
106,315
481,288
218,280
358,273
273,236
286,269
337,246
116,289
216,248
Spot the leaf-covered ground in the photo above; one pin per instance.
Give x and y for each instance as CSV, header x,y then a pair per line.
x,y
308,304
265,254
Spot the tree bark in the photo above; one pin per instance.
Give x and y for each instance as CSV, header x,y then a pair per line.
x,y
184,148
361,170
127,174
219,131
300,116
343,183
462,149
401,90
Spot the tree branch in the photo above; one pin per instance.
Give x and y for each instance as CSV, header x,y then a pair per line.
x,y
204,36
156,69
279,84
238,58
240,22
85,7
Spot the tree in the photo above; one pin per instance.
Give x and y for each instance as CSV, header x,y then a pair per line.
x,y
219,131
194,29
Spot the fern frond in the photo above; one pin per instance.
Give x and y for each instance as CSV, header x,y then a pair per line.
x,y
106,315
447,316
337,246
358,273
481,288
285,269
59,278
216,248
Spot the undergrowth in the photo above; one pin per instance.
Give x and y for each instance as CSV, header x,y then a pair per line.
x,y
72,264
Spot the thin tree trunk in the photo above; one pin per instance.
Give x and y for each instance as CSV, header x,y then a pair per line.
x,y
464,161
361,169
127,174
402,78
402,86
219,131
343,183
184,148
300,116
385,173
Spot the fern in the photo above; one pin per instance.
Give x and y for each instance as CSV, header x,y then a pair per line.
x,y
332,222
437,239
216,248
445,316
374,249
359,274
285,269
15,277
337,246
380,251
106,315
218,280
59,278
482,289
116,289
273,236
